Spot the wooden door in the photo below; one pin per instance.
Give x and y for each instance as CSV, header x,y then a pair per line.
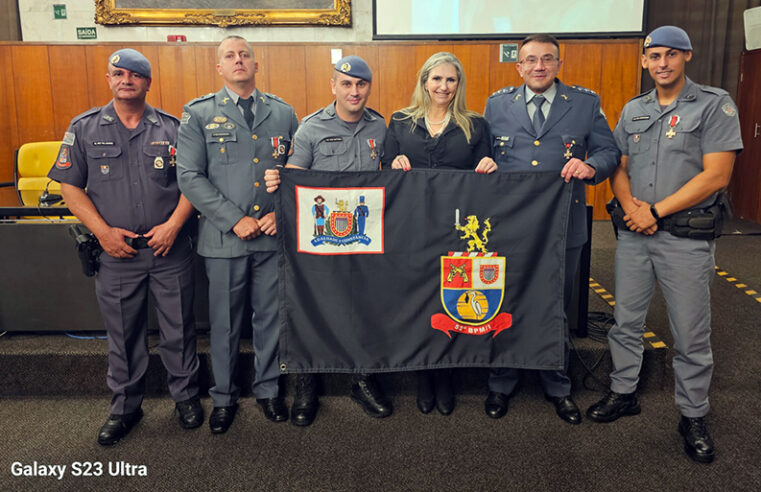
x,y
745,186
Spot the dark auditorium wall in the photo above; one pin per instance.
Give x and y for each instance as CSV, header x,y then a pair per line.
x,y
10,26
48,84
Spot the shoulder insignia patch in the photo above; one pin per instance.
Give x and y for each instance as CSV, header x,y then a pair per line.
x,y
729,109
63,161
185,118
68,138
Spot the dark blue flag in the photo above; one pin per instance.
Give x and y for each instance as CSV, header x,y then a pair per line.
x,y
390,271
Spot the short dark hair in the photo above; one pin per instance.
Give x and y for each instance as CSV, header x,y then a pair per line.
x,y
540,38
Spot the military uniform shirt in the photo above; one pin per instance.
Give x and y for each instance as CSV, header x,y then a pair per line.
x,y
704,121
129,175
325,142
221,164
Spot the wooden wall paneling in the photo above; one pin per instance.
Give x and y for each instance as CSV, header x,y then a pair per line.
x,y
619,82
317,72
34,100
207,78
8,128
154,97
285,69
424,51
96,57
70,86
620,77
476,62
582,65
500,74
261,56
175,75
369,53
396,77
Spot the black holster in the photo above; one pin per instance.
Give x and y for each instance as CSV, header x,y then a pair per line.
x,y
616,213
88,249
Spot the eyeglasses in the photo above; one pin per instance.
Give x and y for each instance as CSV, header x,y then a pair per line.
x,y
547,60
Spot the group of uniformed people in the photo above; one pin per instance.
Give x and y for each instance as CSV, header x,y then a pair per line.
x,y
134,174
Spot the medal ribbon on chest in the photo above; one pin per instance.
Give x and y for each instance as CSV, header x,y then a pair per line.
x,y
569,149
672,123
278,148
172,154
371,144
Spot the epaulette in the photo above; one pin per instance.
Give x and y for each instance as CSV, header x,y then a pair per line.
x,y
646,96
202,98
309,116
89,112
274,97
164,113
583,90
504,90
713,90
374,112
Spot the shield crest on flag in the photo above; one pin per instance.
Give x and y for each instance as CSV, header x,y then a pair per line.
x,y
472,287
341,223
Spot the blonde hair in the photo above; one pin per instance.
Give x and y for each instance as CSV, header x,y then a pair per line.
x,y
421,100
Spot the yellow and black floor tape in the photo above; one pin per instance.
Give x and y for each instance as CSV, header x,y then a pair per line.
x,y
606,296
744,287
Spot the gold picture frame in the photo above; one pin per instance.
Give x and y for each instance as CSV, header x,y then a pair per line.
x,y
230,13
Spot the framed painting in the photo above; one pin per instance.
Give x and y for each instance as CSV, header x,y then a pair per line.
x,y
224,13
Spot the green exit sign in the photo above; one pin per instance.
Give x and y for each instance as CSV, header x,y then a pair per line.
x,y
59,11
86,33
508,53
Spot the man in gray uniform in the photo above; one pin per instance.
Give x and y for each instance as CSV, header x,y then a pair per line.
x,y
226,141
545,125
117,172
343,136
679,143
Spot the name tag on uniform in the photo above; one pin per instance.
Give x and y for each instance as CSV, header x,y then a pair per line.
x,y
333,139
100,142
643,117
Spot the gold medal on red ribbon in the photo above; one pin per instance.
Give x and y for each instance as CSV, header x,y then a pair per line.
x,y
672,123
371,144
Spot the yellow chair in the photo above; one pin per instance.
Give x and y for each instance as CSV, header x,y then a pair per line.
x,y
33,162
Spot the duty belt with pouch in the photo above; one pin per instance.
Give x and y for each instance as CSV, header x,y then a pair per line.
x,y
88,248
695,223
699,223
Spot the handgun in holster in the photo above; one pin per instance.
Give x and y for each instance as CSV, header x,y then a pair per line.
x,y
88,248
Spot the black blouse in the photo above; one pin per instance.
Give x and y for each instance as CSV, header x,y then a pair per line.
x,y
450,150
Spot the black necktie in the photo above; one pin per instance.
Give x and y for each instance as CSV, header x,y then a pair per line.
x,y
248,115
538,120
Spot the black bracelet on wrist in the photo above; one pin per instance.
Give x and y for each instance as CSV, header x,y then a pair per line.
x,y
654,212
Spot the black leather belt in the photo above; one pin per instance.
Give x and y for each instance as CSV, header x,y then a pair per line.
x,y
139,242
